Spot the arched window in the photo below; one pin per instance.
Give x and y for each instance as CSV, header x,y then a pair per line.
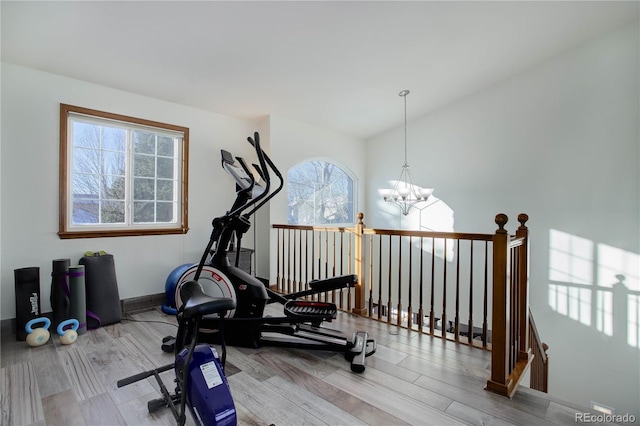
x,y
319,192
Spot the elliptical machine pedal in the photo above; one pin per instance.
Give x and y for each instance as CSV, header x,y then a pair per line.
x,y
310,310
359,352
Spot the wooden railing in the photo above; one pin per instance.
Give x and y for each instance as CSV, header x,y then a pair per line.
x,y
540,365
466,287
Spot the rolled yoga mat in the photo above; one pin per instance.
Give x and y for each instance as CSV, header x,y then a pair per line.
x,y
27,282
59,292
103,299
77,298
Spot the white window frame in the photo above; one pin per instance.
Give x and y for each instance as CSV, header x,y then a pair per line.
x,y
70,114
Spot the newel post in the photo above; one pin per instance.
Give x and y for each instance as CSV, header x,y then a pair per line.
x,y
360,305
523,286
499,313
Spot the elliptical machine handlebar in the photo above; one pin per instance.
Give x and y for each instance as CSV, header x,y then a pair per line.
x,y
265,173
233,222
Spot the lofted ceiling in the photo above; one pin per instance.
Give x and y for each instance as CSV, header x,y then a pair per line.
x,y
335,64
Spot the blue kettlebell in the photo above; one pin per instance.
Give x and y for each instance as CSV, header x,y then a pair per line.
x,y
69,335
39,336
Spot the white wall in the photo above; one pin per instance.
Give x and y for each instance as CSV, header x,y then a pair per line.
x,y
30,142
559,142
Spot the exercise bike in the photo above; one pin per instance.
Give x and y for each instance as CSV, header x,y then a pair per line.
x,y
300,325
201,384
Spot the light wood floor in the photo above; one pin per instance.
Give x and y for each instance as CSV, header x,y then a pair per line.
x,y
412,379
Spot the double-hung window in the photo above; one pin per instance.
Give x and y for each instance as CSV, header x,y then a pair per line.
x,y
121,175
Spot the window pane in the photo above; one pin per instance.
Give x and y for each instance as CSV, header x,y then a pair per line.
x,y
144,166
113,188
164,212
114,139
86,135
112,212
85,211
113,163
143,189
165,190
165,168
144,143
86,186
86,160
319,192
143,212
165,146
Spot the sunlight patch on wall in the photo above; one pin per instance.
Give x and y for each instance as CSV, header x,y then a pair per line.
x,y
595,284
432,215
616,265
633,331
572,302
571,258
604,312
571,261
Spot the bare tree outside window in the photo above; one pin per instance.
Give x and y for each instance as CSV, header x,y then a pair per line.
x,y
319,192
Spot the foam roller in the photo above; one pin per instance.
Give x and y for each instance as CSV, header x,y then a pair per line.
x,y
77,297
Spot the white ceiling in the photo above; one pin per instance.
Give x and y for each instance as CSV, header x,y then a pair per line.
x,y
335,64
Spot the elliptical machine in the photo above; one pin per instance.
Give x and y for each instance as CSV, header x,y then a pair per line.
x,y
300,326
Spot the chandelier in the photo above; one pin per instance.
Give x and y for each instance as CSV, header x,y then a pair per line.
x,y
404,193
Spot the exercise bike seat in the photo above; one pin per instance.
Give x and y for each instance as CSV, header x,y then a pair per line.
x,y
198,303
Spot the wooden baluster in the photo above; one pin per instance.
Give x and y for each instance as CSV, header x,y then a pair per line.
x,y
389,285
410,292
326,262
370,280
306,259
432,314
294,262
288,261
300,281
471,274
313,257
512,299
326,255
523,286
456,319
444,292
319,276
485,302
333,268
497,382
278,276
349,257
379,277
341,257
421,310
399,307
